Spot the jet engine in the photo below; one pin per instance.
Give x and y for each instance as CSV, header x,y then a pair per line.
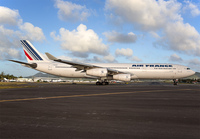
x,y
99,72
122,77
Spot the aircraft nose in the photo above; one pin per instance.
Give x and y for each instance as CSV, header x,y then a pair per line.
x,y
193,72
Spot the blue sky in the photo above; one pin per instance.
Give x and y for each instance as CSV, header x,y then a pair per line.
x,y
131,31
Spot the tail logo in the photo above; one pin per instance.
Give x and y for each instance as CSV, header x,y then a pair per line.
x,y
29,51
27,55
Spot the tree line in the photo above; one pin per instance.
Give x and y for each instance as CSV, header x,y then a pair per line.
x,y
7,76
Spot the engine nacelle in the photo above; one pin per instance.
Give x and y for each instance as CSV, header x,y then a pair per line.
x,y
99,72
122,77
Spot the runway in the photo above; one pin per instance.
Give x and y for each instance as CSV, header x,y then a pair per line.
x,y
139,110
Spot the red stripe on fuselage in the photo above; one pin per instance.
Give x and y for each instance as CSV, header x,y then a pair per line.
x,y
27,55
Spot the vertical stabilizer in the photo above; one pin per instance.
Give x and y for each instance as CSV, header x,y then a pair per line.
x,y
31,53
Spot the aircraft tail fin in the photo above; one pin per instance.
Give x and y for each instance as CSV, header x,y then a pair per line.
x,y
31,53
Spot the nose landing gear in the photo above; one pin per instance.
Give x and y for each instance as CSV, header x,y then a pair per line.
x,y
175,81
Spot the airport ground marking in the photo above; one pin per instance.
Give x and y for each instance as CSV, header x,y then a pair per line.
x,y
87,95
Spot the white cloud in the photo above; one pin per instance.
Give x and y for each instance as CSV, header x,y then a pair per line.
x,y
7,53
135,59
192,8
148,15
128,53
120,38
8,16
32,32
124,52
82,40
181,37
71,12
105,59
162,19
9,43
175,58
194,64
109,58
10,35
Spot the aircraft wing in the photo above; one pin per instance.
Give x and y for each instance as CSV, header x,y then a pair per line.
x,y
81,66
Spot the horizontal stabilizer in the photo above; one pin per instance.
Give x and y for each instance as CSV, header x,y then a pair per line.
x,y
33,65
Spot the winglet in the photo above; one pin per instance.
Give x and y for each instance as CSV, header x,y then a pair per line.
x,y
51,57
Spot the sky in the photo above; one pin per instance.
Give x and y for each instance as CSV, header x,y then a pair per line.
x,y
101,31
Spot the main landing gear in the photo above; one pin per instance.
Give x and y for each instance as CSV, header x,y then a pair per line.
x,y
102,83
175,81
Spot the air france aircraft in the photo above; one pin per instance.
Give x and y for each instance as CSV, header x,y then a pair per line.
x,y
103,72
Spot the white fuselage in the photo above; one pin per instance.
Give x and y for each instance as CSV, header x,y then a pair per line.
x,y
137,71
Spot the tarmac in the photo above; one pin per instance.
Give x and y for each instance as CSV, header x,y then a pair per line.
x,y
87,111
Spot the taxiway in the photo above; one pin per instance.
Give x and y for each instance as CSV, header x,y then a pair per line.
x,y
141,110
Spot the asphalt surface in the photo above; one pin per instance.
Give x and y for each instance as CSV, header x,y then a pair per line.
x,y
141,110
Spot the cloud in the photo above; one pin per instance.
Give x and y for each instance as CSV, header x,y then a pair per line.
x,y
7,53
162,19
124,52
12,29
180,37
192,8
105,59
81,40
146,15
175,58
8,16
80,54
9,44
71,12
120,38
97,59
135,59
194,64
128,53
32,32
110,58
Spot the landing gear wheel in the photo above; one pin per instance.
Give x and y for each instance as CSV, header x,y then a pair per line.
x,y
102,83
98,83
175,81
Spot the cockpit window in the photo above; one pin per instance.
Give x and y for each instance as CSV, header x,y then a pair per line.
x,y
188,68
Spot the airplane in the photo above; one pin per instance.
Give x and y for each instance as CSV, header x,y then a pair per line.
x,y
103,72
